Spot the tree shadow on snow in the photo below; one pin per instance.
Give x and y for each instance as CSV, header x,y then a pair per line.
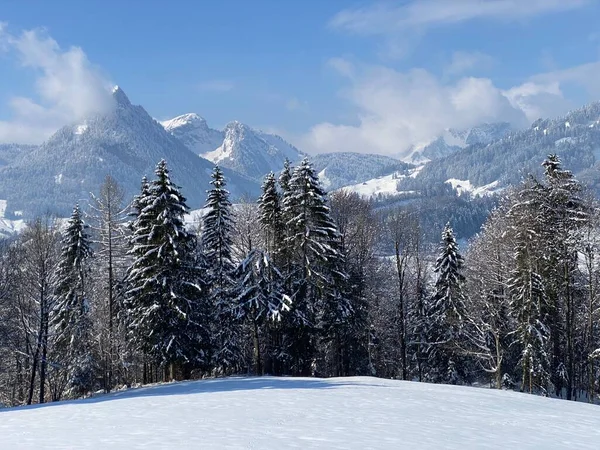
x,y
228,384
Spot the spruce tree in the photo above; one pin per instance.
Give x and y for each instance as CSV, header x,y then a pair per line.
x,y
269,206
564,215
260,298
447,314
71,320
316,279
165,312
528,287
216,243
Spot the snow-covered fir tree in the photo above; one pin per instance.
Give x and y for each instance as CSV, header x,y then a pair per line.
x,y
269,206
260,298
216,243
527,286
316,279
166,312
564,213
447,314
72,322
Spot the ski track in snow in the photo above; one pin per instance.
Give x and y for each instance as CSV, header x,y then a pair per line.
x,y
304,413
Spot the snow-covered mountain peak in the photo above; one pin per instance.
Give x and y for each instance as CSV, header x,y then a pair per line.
x,y
193,132
120,97
125,142
238,147
185,120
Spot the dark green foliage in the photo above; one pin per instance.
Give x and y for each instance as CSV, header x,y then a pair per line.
x,y
166,311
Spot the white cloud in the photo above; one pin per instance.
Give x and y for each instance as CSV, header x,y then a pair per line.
x,y
216,86
402,23
389,18
397,110
539,100
68,87
463,62
584,75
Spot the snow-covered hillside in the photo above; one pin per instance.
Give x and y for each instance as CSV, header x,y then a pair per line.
x,y
341,169
385,185
303,413
466,187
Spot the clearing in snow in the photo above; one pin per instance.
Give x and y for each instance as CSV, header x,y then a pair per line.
x,y
277,413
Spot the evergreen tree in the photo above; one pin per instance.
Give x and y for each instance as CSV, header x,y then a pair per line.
x,y
71,319
269,205
316,279
167,318
447,314
260,298
216,243
285,177
564,214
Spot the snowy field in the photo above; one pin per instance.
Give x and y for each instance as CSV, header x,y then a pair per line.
x,y
304,413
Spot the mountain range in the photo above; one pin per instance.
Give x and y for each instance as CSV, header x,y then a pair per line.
x,y
239,147
575,138
127,142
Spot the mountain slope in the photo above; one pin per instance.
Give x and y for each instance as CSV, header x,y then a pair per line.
x,y
334,413
252,152
193,132
575,138
125,143
238,147
453,140
345,168
9,153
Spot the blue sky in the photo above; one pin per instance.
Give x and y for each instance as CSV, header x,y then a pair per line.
x,y
328,75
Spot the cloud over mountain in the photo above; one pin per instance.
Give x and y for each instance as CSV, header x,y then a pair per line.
x,y
68,86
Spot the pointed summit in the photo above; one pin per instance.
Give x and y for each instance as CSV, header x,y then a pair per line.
x,y
120,96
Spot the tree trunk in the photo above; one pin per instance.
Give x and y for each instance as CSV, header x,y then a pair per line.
x,y
258,370
400,267
33,371
44,361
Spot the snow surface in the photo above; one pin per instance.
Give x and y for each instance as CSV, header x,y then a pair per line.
x,y
9,227
381,185
385,185
465,186
180,121
325,182
80,129
304,413
565,140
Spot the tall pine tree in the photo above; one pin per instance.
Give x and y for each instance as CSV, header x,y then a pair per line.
x,y
316,279
166,315
216,243
71,320
447,314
